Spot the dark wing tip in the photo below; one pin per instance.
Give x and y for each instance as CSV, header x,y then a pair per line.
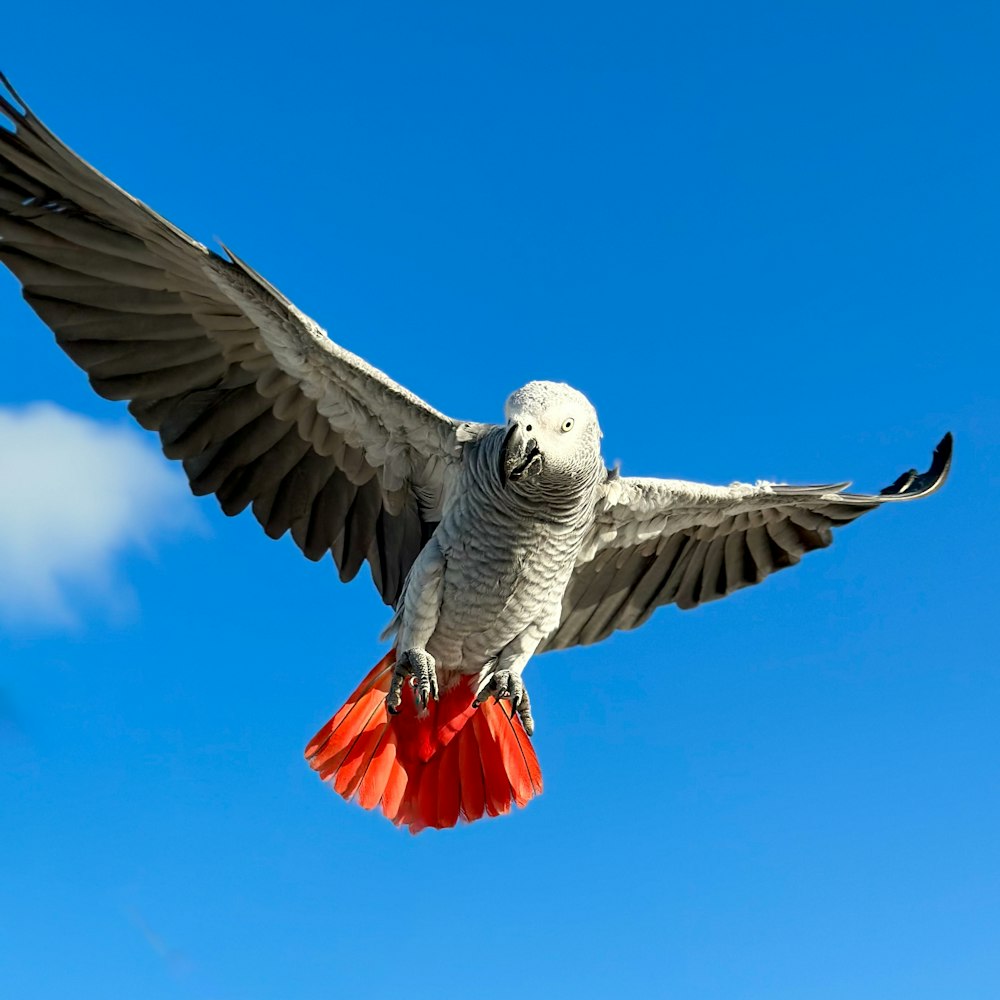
x,y
15,115
911,485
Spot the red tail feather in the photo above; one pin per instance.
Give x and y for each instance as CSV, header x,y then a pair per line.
x,y
426,769
449,797
470,768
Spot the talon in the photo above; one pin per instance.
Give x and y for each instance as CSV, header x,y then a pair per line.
x,y
415,667
502,684
507,684
395,696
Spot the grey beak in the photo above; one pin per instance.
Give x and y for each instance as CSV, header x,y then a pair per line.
x,y
519,455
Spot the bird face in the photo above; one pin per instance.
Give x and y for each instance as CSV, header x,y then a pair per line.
x,y
552,436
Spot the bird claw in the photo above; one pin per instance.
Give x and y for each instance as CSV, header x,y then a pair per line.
x,y
507,684
416,666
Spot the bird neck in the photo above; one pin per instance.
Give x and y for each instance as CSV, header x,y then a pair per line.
x,y
565,500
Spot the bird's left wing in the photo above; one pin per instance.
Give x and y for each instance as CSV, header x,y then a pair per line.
x,y
664,541
261,406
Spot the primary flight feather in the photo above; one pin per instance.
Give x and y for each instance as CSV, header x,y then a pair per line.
x,y
491,542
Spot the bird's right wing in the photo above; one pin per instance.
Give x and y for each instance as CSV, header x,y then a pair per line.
x,y
251,395
665,541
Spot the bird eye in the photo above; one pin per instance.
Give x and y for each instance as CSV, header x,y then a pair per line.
x,y
567,425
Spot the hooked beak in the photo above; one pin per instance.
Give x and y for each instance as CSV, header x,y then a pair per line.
x,y
520,456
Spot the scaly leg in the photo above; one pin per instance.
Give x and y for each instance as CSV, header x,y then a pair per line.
x,y
417,620
502,678
417,666
508,684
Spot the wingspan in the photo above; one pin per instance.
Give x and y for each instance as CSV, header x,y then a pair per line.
x,y
662,541
263,409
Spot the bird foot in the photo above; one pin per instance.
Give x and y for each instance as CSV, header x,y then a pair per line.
x,y
508,684
416,666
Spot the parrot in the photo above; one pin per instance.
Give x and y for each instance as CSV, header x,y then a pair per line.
x,y
490,542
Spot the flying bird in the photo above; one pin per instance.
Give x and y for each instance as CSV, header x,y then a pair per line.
x,y
490,542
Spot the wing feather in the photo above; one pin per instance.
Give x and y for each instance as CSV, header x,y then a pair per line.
x,y
658,541
263,409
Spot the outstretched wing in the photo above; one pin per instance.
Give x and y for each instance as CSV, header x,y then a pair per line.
x,y
664,541
251,395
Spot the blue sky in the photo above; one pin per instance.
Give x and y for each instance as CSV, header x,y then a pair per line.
x,y
762,239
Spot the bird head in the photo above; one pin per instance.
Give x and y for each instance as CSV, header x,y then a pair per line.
x,y
552,439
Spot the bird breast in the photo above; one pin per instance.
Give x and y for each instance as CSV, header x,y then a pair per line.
x,y
505,571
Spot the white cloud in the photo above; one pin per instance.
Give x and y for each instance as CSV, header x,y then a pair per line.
x,y
76,495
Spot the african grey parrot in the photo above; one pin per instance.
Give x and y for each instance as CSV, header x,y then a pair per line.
x,y
492,542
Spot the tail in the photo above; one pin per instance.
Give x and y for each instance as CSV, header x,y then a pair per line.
x,y
426,770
